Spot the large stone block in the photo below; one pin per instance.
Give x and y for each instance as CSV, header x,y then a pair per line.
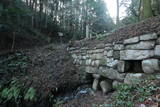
x,y
141,45
95,84
131,40
150,65
151,36
136,54
157,50
123,66
118,47
106,86
111,74
134,78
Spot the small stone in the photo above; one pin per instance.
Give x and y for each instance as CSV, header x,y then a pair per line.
x,y
110,53
115,84
108,45
90,69
97,63
116,54
108,48
150,65
118,47
99,46
111,62
95,84
149,36
157,51
98,51
131,40
142,105
106,86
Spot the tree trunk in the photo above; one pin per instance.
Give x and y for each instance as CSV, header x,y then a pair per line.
x,y
117,19
146,9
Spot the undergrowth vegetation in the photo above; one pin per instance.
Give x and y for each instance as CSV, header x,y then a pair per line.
x,y
129,95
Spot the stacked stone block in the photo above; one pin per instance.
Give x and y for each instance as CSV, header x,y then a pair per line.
x,y
119,63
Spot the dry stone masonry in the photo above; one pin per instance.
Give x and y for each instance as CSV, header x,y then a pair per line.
x,y
113,64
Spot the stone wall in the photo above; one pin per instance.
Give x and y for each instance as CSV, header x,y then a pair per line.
x,y
112,64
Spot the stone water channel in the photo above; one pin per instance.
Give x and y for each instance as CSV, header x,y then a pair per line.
x,y
115,63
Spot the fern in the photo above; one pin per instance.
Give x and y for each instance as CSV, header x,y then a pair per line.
x,y
30,95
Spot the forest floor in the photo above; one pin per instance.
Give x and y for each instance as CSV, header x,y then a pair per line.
x,y
50,69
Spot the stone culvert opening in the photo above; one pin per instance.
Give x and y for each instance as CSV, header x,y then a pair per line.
x,y
131,66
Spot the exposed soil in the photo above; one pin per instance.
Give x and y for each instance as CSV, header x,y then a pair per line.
x,y
151,25
51,69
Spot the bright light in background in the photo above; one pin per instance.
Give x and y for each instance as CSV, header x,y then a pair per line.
x,y
112,8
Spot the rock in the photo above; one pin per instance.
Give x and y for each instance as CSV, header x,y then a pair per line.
x,y
109,53
111,74
90,69
131,40
74,56
133,78
97,63
95,84
111,62
96,76
103,62
158,41
141,45
116,54
115,84
136,54
98,56
88,62
106,86
118,47
99,46
157,51
108,48
142,105
149,36
123,66
98,50
108,45
150,65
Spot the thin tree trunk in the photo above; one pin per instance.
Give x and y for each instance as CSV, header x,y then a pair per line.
x,y
13,41
117,19
146,9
